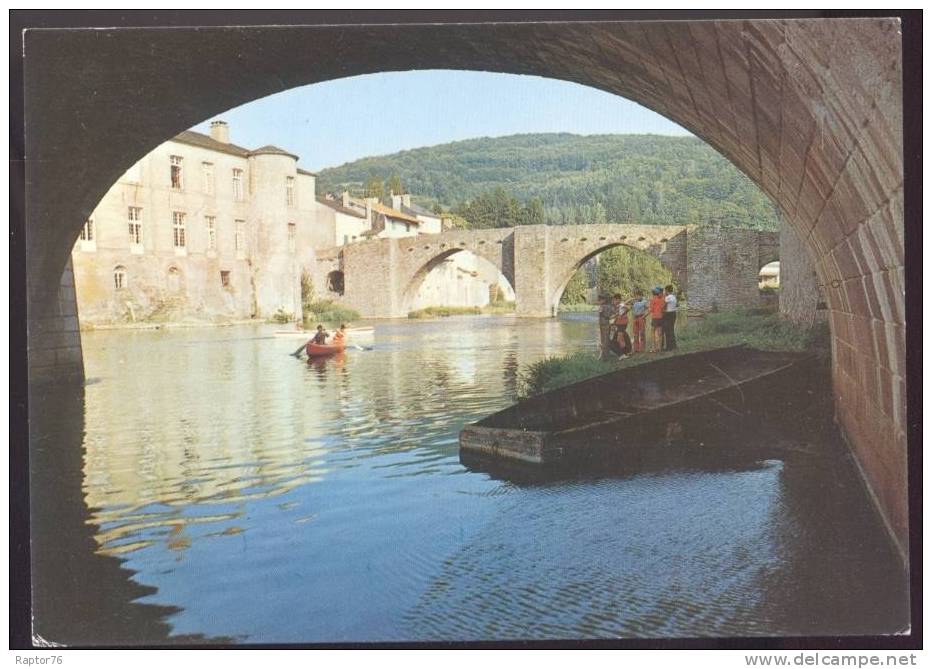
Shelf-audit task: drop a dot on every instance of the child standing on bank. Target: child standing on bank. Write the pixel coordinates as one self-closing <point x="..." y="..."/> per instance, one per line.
<point x="656" y="319"/>
<point x="639" y="313"/>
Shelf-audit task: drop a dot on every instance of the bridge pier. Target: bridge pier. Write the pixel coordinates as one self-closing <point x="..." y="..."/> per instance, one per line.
<point x="53" y="347"/>
<point x="533" y="276"/>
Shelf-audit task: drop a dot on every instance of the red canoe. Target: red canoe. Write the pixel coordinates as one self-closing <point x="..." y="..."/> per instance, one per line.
<point x="323" y="349"/>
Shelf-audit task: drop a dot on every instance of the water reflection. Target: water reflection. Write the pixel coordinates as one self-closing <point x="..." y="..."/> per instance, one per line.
<point x="268" y="500"/>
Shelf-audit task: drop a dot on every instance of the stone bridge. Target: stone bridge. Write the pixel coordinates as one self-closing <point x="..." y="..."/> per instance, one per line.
<point x="717" y="266"/>
<point x="811" y="111"/>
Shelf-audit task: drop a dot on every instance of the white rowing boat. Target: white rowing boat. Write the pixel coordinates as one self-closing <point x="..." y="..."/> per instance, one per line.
<point x="307" y="334"/>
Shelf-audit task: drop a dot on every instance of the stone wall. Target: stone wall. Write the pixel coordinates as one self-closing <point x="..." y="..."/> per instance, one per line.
<point x="723" y="266"/>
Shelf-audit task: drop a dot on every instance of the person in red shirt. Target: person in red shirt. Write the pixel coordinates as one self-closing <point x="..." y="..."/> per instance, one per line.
<point x="657" y="306"/>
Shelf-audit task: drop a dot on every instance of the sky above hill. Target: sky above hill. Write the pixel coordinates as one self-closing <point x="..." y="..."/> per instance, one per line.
<point x="335" y="122"/>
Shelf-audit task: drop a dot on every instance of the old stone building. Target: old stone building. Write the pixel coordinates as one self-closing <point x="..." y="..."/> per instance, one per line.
<point x="199" y="229"/>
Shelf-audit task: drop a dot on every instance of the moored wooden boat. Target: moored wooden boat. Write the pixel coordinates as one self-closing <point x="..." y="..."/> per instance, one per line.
<point x="624" y="411"/>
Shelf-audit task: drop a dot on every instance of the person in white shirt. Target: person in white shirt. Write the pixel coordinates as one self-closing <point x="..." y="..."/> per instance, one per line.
<point x="669" y="319"/>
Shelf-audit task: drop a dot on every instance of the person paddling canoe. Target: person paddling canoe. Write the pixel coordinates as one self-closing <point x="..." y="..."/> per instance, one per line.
<point x="320" y="337"/>
<point x="339" y="337"/>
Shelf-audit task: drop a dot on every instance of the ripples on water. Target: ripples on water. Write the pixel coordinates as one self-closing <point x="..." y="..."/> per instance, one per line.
<point x="273" y="500"/>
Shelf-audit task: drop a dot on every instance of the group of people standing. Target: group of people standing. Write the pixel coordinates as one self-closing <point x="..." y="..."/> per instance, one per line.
<point x="616" y="314"/>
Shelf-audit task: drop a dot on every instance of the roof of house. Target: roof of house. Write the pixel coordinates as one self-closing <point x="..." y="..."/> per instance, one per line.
<point x="270" y="148"/>
<point x="394" y="213"/>
<point x="208" y="142"/>
<point x="307" y="172"/>
<point x="337" y="205"/>
<point x="417" y="210"/>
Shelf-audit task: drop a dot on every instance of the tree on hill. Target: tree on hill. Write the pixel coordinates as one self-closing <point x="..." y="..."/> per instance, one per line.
<point x="374" y="188"/>
<point x="395" y="186"/>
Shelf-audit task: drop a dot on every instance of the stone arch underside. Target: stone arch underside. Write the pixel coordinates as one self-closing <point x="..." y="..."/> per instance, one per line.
<point x="810" y="110"/>
<point x="571" y="246"/>
<point x="402" y="264"/>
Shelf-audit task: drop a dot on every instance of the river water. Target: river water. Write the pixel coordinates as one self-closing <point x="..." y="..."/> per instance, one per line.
<point x="265" y="499"/>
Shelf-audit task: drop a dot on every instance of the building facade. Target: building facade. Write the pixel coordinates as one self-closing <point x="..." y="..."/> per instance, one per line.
<point x="199" y="229"/>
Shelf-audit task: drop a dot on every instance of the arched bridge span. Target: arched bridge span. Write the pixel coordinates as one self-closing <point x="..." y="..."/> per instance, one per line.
<point x="716" y="266"/>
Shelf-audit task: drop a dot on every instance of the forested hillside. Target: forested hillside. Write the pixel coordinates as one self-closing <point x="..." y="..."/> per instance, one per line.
<point x="566" y="179"/>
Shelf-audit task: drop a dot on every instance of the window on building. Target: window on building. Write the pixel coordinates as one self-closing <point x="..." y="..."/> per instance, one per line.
<point x="176" y="162"/>
<point x="289" y="191"/>
<point x="225" y="278"/>
<point x="174" y="280"/>
<point x="238" y="185"/>
<point x="346" y="239"/>
<point x="119" y="277"/>
<point x="292" y="234"/>
<point x="210" y="222"/>
<point x="178" y="236"/>
<point x="239" y="238"/>
<point x="134" y="219"/>
<point x="207" y="170"/>
<point x="87" y="232"/>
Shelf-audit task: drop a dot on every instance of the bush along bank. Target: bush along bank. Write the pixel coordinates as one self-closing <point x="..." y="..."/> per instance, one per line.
<point x="493" y="308"/>
<point x="326" y="311"/>
<point x="760" y="329"/>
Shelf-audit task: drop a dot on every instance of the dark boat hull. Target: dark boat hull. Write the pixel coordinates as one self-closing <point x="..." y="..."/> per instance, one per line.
<point x="659" y="403"/>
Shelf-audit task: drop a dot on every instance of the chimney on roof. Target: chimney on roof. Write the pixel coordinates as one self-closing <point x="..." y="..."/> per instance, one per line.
<point x="220" y="131"/>
<point x="406" y="199"/>
<point x="346" y="199"/>
<point x="396" y="200"/>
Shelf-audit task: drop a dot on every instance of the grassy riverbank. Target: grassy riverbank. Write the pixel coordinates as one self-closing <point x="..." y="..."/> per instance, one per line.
<point x="577" y="308"/>
<point x="494" y="308"/>
<point x="762" y="330"/>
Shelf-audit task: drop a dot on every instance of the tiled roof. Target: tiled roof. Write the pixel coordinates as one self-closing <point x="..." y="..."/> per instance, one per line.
<point x="337" y="205"/>
<point x="207" y="142"/>
<point x="417" y="210"/>
<point x="269" y="148"/>
<point x="306" y="172"/>
<point x="394" y="213"/>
